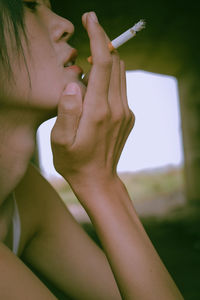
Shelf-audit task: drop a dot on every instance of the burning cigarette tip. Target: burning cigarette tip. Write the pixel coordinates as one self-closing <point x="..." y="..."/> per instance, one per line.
<point x="139" y="26"/>
<point x="124" y="37"/>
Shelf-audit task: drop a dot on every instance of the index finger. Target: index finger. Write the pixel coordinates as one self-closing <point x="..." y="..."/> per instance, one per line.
<point x="99" y="79"/>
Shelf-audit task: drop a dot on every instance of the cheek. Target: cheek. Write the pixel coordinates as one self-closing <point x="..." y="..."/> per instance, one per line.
<point x="18" y="87"/>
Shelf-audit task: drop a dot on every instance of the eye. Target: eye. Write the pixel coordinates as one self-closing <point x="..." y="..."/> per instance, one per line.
<point x="31" y="4"/>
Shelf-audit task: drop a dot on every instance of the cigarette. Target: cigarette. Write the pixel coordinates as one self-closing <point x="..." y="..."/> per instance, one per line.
<point x="124" y="37"/>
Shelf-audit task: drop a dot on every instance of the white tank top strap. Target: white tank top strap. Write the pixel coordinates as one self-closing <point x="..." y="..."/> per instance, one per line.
<point x="16" y="228"/>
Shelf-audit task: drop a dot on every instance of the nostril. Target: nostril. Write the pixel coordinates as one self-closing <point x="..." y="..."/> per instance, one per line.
<point x="62" y="29"/>
<point x="64" y="35"/>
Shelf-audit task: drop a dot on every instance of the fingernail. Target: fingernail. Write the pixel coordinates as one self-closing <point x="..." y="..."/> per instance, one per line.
<point x="71" y="89"/>
<point x="93" y="17"/>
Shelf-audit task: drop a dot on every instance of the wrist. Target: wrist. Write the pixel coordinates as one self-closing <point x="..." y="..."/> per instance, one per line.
<point x="88" y="186"/>
<point x="103" y="193"/>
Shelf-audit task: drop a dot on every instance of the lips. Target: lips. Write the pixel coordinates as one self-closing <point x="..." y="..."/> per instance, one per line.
<point x="70" y="60"/>
<point x="76" y="69"/>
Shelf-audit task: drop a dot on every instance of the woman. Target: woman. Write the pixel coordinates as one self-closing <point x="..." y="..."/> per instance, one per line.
<point x="39" y="80"/>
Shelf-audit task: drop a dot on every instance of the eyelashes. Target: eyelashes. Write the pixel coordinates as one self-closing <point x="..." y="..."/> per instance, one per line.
<point x="31" y="5"/>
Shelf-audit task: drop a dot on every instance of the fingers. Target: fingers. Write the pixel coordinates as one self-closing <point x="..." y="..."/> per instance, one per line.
<point x="124" y="87"/>
<point x="115" y="97"/>
<point x="129" y="116"/>
<point x="106" y="90"/>
<point x="99" y="80"/>
<point x="121" y="114"/>
<point x="98" y="38"/>
<point x="69" y="113"/>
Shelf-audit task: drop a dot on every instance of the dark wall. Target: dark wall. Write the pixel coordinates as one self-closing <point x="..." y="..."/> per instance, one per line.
<point x="172" y="31"/>
<point x="170" y="45"/>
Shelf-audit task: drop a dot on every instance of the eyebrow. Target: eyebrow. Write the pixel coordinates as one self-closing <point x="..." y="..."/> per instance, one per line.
<point x="47" y="3"/>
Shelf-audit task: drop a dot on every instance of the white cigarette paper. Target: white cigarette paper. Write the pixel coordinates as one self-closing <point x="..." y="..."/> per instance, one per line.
<point x="127" y="35"/>
<point x="124" y="37"/>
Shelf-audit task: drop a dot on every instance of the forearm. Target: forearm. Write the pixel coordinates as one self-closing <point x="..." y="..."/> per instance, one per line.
<point x="87" y="142"/>
<point x="137" y="268"/>
<point x="17" y="281"/>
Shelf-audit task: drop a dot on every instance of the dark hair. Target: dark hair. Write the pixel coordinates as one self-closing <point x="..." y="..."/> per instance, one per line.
<point x="12" y="22"/>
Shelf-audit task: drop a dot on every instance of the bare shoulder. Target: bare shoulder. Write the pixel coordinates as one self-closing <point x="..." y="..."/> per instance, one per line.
<point x="55" y="245"/>
<point x="36" y="198"/>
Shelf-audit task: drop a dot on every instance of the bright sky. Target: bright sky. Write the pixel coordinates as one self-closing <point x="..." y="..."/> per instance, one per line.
<point x="156" y="138"/>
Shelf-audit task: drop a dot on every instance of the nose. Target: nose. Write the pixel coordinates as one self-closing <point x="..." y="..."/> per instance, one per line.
<point x="61" y="28"/>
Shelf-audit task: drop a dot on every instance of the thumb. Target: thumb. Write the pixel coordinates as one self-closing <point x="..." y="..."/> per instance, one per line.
<point x="69" y="113"/>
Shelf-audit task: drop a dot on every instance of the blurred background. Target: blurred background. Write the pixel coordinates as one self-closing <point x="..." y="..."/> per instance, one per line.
<point x="160" y="164"/>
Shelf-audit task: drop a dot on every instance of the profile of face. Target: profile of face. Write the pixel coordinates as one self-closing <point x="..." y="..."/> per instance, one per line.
<point x="48" y="58"/>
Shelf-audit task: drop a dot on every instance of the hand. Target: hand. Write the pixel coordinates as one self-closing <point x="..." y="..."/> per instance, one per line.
<point x="91" y="129"/>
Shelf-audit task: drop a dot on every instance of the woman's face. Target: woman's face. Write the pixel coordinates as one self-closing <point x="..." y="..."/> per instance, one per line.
<point x="47" y="59"/>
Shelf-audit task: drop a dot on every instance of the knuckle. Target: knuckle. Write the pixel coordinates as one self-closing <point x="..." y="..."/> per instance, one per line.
<point x="53" y="136"/>
<point x="131" y="118"/>
<point x="118" y="117"/>
<point x="122" y="63"/>
<point x="105" y="62"/>
<point x="115" y="55"/>
<point x="57" y="138"/>
<point x="102" y="115"/>
<point x="69" y="107"/>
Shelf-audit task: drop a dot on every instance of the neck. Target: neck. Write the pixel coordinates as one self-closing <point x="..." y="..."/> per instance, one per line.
<point x="17" y="135"/>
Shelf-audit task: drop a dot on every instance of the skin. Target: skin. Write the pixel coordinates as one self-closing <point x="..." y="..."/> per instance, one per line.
<point x="48" y="36"/>
<point x="92" y="126"/>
